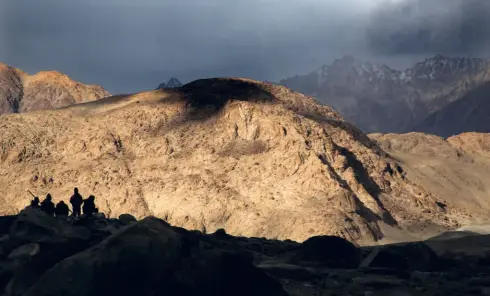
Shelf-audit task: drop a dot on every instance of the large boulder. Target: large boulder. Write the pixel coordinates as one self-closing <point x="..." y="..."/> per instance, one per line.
<point x="149" y="257"/>
<point x="25" y="266"/>
<point x="133" y="261"/>
<point x="5" y="223"/>
<point x="406" y="257"/>
<point x="217" y="272"/>
<point x="328" y="251"/>
<point x="35" y="226"/>
<point x="36" y="242"/>
<point x="127" y="219"/>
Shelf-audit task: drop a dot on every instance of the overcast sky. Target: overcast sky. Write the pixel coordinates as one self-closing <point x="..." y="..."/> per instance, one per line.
<point x="132" y="45"/>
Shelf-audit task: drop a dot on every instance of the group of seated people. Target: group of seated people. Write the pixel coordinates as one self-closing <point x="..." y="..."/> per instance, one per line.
<point x="62" y="210"/>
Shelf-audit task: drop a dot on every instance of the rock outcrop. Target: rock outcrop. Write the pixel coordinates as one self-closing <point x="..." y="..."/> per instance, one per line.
<point x="20" y="92"/>
<point x="252" y="158"/>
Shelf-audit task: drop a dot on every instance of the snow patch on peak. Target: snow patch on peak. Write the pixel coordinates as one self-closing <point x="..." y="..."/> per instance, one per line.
<point x="441" y="66"/>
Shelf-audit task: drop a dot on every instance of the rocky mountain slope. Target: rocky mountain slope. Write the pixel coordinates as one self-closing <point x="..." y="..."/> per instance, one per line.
<point x="457" y="168"/>
<point x="467" y="114"/>
<point x="20" y="92"/>
<point x="253" y="158"/>
<point x="371" y="96"/>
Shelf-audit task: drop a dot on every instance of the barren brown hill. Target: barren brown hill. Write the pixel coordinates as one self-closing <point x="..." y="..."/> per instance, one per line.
<point x="256" y="159"/>
<point x="20" y="92"/>
<point x="457" y="169"/>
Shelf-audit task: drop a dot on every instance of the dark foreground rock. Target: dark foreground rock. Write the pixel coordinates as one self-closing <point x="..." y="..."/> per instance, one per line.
<point x="328" y="251"/>
<point x="51" y="256"/>
<point x="133" y="261"/>
<point x="42" y="255"/>
<point x="407" y="257"/>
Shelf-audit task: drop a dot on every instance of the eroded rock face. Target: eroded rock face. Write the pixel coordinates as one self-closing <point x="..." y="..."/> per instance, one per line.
<point x="255" y="159"/>
<point x="21" y="92"/>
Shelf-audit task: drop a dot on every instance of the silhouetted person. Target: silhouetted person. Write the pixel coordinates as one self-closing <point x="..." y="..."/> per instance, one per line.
<point x="89" y="206"/>
<point x="61" y="210"/>
<point x="47" y="205"/>
<point x="76" y="201"/>
<point x="35" y="203"/>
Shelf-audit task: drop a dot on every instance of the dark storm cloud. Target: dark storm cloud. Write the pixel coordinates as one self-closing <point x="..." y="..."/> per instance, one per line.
<point x="430" y="26"/>
<point x="129" y="45"/>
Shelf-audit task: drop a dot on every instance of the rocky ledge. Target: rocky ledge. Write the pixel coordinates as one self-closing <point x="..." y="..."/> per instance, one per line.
<point x="41" y="255"/>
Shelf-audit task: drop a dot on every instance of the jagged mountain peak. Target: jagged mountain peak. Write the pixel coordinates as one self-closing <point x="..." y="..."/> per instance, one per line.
<point x="172" y="83"/>
<point x="444" y="67"/>
<point x="351" y="70"/>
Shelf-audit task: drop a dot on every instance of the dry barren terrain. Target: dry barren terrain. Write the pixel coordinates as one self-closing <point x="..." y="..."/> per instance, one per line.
<point x="256" y="159"/>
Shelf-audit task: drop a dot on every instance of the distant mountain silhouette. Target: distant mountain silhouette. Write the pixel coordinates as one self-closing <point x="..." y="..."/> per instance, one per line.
<point x="377" y="98"/>
<point x="468" y="114"/>
<point x="21" y="92"/>
<point x="172" y="83"/>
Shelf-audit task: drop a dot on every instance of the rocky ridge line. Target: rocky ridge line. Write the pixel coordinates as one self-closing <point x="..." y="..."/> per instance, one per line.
<point x="21" y="92"/>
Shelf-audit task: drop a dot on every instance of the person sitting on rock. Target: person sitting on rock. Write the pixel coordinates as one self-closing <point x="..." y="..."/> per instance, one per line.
<point x="47" y="205"/>
<point x="89" y="206"/>
<point x="76" y="201"/>
<point x="35" y="203"/>
<point x="61" y="210"/>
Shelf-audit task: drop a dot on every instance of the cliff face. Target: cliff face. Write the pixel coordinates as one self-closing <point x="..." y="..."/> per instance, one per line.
<point x="20" y="92"/>
<point x="255" y="159"/>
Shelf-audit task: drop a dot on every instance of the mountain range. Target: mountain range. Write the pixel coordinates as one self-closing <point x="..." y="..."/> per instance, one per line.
<point x="377" y="98"/>
<point x="254" y="158"/>
<point x="21" y="92"/>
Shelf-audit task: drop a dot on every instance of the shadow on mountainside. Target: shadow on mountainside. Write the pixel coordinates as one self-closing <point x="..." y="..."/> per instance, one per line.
<point x="362" y="176"/>
<point x="350" y="129"/>
<point x="211" y="95"/>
